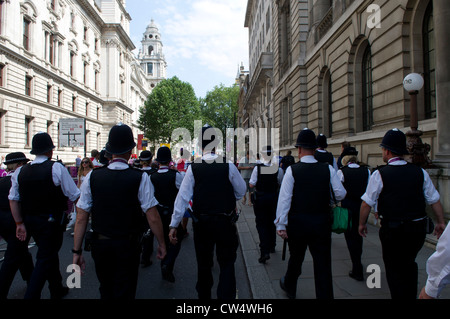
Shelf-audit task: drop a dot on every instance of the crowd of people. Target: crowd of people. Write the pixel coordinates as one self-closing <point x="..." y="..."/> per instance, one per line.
<point x="121" y="203"/>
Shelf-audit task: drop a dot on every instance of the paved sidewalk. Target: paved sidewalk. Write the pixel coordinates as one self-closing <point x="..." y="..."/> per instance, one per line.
<point x="264" y="278"/>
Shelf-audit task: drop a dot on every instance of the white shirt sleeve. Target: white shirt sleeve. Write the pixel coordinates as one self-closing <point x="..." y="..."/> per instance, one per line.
<point x="438" y="266"/>
<point x="61" y="177"/>
<point x="284" y="200"/>
<point x="429" y="191"/>
<point x="373" y="190"/>
<point x="254" y="176"/>
<point x="185" y="194"/>
<point x="239" y="186"/>
<point x="338" y="188"/>
<point x="146" y="193"/>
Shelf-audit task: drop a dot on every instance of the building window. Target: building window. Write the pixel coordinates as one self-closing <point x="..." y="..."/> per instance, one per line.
<point x="28" y="80"/>
<point x="2" y="76"/>
<point x="49" y="93"/>
<point x="60" y="97"/>
<point x="28" y="131"/>
<point x="85" y="73"/>
<point x="367" y="92"/>
<point x="1" y="15"/>
<point x="74" y="103"/>
<point x="150" y="68"/>
<point x="284" y="37"/>
<point x="52" y="50"/>
<point x="98" y="113"/>
<point x="286" y="121"/>
<point x="72" y="64"/>
<point x="26" y="34"/>
<point x="96" y="79"/>
<point x="87" y="109"/>
<point x="429" y="63"/>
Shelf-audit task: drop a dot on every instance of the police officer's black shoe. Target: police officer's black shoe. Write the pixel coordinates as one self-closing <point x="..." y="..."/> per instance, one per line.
<point x="263" y="258"/>
<point x="167" y="274"/>
<point x="282" y="285"/>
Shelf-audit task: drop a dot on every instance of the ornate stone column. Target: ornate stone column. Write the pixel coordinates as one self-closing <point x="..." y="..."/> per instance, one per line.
<point x="441" y="16"/>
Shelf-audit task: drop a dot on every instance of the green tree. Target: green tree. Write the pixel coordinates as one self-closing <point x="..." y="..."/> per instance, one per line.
<point x="172" y="104"/>
<point x="219" y="109"/>
<point x="220" y="106"/>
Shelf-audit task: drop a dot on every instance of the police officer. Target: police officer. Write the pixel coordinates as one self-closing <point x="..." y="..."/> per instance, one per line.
<point x="17" y="256"/>
<point x="116" y="197"/>
<point x="354" y="178"/>
<point x="402" y="191"/>
<point x="266" y="178"/>
<point x="38" y="199"/>
<point x="321" y="154"/>
<point x="145" y="159"/>
<point x="215" y="186"/>
<point x="303" y="216"/>
<point x="167" y="181"/>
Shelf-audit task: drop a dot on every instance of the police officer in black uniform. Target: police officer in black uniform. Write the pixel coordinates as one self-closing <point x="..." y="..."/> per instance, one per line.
<point x="167" y="181"/>
<point x="116" y="196"/>
<point x="322" y="155"/>
<point x="401" y="192"/>
<point x="266" y="178"/>
<point x="354" y="177"/>
<point x="38" y="198"/>
<point x="17" y="256"/>
<point x="145" y="159"/>
<point x="215" y="186"/>
<point x="303" y="216"/>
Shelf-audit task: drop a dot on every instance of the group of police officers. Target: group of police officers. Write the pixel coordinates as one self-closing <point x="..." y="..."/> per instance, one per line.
<point x="124" y="203"/>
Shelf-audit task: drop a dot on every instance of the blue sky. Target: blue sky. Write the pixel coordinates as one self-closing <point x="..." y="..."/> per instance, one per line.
<point x="204" y="40"/>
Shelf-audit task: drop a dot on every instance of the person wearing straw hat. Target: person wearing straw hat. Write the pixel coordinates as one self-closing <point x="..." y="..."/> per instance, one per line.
<point x="38" y="197"/>
<point x="402" y="191"/>
<point x="214" y="186"/>
<point x="303" y="216"/>
<point x="116" y="196"/>
<point x="354" y="177"/>
<point x="17" y="256"/>
<point x="266" y="195"/>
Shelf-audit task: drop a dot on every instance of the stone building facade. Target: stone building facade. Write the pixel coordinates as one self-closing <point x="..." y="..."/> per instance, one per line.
<point x="67" y="59"/>
<point x="337" y="67"/>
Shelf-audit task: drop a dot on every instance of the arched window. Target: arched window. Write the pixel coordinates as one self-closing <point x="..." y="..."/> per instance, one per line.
<point x="367" y="92"/>
<point x="429" y="63"/>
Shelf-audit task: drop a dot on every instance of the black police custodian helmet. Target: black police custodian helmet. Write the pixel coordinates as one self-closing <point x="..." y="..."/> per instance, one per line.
<point x="17" y="157"/>
<point x="41" y="144"/>
<point x="349" y="151"/>
<point x="145" y="155"/>
<point x="306" y="139"/>
<point x="322" y="141"/>
<point x="164" y="155"/>
<point x="395" y="141"/>
<point x="120" y="140"/>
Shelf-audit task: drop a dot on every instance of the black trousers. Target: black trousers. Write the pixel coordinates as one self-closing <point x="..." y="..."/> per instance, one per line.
<point x="116" y="265"/>
<point x="17" y="256"/>
<point x="400" y="245"/>
<point x="265" y="209"/>
<point x="316" y="236"/>
<point x="352" y="237"/>
<point x="172" y="250"/>
<point x="215" y="232"/>
<point x="48" y="237"/>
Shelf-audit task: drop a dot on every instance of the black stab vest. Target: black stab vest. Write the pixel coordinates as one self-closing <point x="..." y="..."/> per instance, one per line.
<point x="213" y="191"/>
<point x="402" y="197"/>
<point x="165" y="189"/>
<point x="116" y="211"/>
<point x="267" y="183"/>
<point x="38" y="193"/>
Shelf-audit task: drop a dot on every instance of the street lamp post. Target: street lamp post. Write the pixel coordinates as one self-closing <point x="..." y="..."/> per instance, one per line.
<point x="418" y="151"/>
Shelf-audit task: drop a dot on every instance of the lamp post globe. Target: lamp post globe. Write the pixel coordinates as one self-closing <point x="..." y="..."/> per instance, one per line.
<point x="413" y="82"/>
